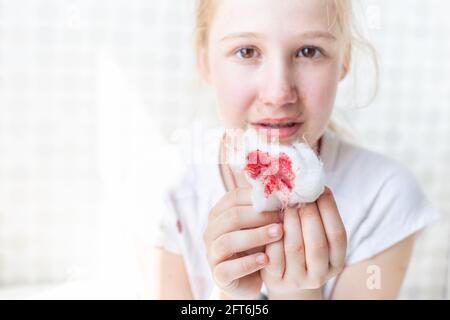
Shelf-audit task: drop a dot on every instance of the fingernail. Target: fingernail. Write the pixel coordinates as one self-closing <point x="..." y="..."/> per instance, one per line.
<point x="260" y="259"/>
<point x="274" y="231"/>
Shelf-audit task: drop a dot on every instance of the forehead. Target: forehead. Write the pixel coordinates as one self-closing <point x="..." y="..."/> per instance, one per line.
<point x="272" y="17"/>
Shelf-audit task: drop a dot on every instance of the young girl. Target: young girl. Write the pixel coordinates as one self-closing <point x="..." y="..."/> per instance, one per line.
<point x="280" y="62"/>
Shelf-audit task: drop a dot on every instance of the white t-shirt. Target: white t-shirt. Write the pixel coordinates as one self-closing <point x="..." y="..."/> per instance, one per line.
<point x="379" y="200"/>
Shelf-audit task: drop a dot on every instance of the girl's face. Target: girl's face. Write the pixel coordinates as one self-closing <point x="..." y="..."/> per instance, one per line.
<point x="275" y="63"/>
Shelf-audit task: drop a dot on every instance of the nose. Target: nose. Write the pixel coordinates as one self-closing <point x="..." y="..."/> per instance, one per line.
<point x="277" y="88"/>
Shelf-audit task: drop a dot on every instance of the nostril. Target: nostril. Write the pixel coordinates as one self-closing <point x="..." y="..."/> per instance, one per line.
<point x="281" y="97"/>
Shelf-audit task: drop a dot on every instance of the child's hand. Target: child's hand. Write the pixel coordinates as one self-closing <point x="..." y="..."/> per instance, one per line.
<point x="312" y="251"/>
<point x="234" y="239"/>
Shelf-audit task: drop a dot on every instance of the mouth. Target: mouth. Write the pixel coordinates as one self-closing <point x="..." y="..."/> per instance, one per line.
<point x="277" y="126"/>
<point x="280" y="128"/>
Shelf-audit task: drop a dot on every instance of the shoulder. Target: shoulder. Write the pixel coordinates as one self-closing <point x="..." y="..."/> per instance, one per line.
<point x="352" y="156"/>
<point x="374" y="190"/>
<point x="371" y="172"/>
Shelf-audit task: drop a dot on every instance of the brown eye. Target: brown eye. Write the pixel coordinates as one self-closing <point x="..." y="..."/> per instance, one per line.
<point x="310" y="52"/>
<point x="246" y="53"/>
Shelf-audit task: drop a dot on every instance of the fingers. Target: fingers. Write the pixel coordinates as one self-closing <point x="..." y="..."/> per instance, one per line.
<point x="227" y="272"/>
<point x="334" y="229"/>
<point x="237" y="241"/>
<point x="315" y="240"/>
<point x="235" y="197"/>
<point x="294" y="248"/>
<point x="276" y="266"/>
<point x="237" y="218"/>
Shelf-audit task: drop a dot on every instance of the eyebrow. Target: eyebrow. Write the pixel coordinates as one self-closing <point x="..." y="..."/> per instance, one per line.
<point x="306" y="35"/>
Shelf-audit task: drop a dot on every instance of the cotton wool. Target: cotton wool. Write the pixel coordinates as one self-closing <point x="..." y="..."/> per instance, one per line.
<point x="280" y="175"/>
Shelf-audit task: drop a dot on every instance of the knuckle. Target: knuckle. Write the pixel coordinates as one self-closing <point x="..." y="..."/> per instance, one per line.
<point x="316" y="282"/>
<point x="338" y="237"/>
<point x="298" y="284"/>
<point x="208" y="236"/>
<point x="234" y="196"/>
<point x="318" y="247"/>
<point x="220" y="276"/>
<point x="205" y="236"/>
<point x="294" y="247"/>
<point x="247" y="265"/>
<point x="234" y="218"/>
<point x="211" y="214"/>
<point x="207" y="232"/>
<point x="219" y="248"/>
<point x="338" y="265"/>
<point x="337" y="269"/>
<point x="307" y="212"/>
<point x="274" y="271"/>
<point x="214" y="213"/>
<point x="209" y="258"/>
<point x="232" y="285"/>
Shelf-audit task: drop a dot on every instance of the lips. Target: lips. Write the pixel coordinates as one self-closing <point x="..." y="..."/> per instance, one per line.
<point x="281" y="128"/>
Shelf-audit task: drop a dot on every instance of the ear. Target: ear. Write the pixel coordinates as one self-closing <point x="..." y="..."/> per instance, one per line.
<point x="346" y="62"/>
<point x="203" y="65"/>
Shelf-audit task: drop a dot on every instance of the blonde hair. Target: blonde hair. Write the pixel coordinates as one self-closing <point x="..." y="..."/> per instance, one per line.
<point x="344" y="17"/>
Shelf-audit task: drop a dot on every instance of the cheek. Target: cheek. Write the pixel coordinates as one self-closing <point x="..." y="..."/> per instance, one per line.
<point x="235" y="94"/>
<point x="318" y="92"/>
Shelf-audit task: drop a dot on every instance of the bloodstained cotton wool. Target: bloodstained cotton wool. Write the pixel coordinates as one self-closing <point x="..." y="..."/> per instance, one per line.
<point x="281" y="176"/>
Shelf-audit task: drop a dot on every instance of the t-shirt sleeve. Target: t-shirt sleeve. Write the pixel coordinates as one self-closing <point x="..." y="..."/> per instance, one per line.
<point x="399" y="209"/>
<point x="167" y="231"/>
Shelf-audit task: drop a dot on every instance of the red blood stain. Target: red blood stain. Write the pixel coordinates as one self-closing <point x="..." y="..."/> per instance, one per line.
<point x="275" y="171"/>
<point x="179" y="226"/>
